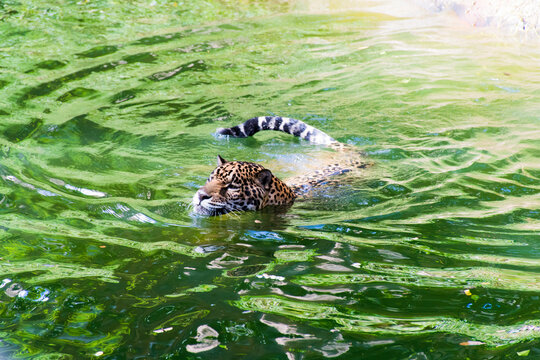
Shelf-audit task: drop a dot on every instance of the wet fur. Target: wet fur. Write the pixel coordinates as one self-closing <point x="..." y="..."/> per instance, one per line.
<point x="242" y="186"/>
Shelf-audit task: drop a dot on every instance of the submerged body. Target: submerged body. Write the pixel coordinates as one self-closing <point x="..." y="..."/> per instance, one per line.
<point x="243" y="186"/>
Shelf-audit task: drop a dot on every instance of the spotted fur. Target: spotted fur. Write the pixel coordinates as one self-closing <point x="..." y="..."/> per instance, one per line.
<point x="242" y="186"/>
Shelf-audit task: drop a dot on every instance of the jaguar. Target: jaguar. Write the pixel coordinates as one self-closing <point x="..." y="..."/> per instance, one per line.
<point x="235" y="186"/>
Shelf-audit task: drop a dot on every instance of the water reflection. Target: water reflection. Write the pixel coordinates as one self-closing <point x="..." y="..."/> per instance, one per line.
<point x="206" y="340"/>
<point x="295" y="339"/>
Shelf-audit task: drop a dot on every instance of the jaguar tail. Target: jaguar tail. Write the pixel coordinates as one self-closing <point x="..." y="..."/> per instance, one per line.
<point x="277" y="123"/>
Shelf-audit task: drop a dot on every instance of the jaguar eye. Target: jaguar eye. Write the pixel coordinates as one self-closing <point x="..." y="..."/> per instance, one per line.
<point x="228" y="187"/>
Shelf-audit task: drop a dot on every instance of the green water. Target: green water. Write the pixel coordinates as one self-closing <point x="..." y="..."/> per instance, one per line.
<point x="107" y="110"/>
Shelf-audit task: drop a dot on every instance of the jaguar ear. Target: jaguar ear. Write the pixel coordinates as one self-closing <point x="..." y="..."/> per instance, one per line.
<point x="265" y="178"/>
<point x="220" y="160"/>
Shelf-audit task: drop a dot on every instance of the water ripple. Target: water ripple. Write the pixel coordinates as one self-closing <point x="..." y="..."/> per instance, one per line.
<point x="105" y="135"/>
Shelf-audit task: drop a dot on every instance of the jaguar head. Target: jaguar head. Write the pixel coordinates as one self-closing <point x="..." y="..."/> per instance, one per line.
<point x="233" y="186"/>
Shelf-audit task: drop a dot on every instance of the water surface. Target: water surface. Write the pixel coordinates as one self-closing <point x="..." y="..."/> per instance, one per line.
<point x="106" y="118"/>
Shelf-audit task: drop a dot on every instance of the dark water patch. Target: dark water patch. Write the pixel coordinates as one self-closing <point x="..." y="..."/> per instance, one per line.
<point x="51" y="64"/>
<point x="40" y="90"/>
<point x="136" y="104"/>
<point x="81" y="130"/>
<point x="7" y="206"/>
<point x="514" y="216"/>
<point x="47" y="65"/>
<point x="77" y="93"/>
<point x="477" y="167"/>
<point x="480" y="194"/>
<point x="198" y="65"/>
<point x="395" y="190"/>
<point x="323" y="90"/>
<point x="36" y="247"/>
<point x="74" y="129"/>
<point x="503" y="189"/>
<point x="7" y="12"/>
<point x="229" y="27"/>
<point x="143" y="57"/>
<point x="18" y="133"/>
<point x="247" y="270"/>
<point x="308" y="84"/>
<point x="98" y="51"/>
<point x="53" y="85"/>
<point x="159" y="39"/>
<point x="533" y="173"/>
<point x="521" y="178"/>
<point x="41" y="208"/>
<point x="79" y="223"/>
<point x="123" y="96"/>
<point x="19" y="33"/>
<point x="375" y="183"/>
<point x="253" y="84"/>
<point x="45" y="89"/>
<point x="494" y="306"/>
<point x="193" y="113"/>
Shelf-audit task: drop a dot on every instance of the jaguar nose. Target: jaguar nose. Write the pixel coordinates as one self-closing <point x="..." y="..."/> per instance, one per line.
<point x="203" y="196"/>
